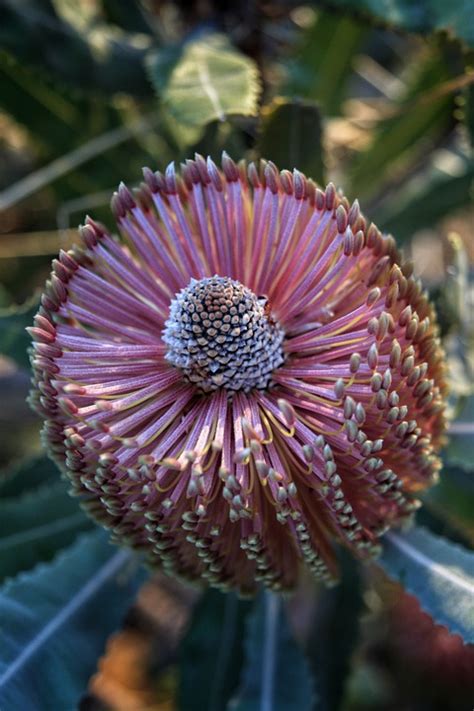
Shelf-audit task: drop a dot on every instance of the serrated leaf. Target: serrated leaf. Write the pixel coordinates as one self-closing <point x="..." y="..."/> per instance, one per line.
<point x="206" y="79"/>
<point x="56" y="620"/>
<point x="26" y="475"/>
<point x="276" y="675"/>
<point x="36" y="525"/>
<point x="14" y="340"/>
<point x="290" y="136"/>
<point x="334" y="634"/>
<point x="439" y="573"/>
<point x="211" y="653"/>
<point x="455" y="17"/>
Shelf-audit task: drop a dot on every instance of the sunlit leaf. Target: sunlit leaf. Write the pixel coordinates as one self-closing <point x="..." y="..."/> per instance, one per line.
<point x="206" y="79"/>
<point x="56" y="619"/>
<point x="290" y="136"/>
<point x="275" y="675"/>
<point x="212" y="652"/>
<point x="438" y="572"/>
<point x="36" y="525"/>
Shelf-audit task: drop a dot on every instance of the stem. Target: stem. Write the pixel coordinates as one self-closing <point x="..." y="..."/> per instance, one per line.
<point x="272" y="610"/>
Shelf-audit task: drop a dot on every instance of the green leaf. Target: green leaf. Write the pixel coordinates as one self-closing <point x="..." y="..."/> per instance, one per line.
<point x="455" y="17"/>
<point x="290" y="136"/>
<point x="56" y="620"/>
<point x="452" y="501"/>
<point x="425" y="200"/>
<point x="460" y="449"/>
<point x="212" y="652"/>
<point x="334" y="634"/>
<point x="14" y="340"/>
<point x="276" y="675"/>
<point x="25" y="475"/>
<point x="439" y="573"/>
<point x="36" y="525"/>
<point x="324" y="60"/>
<point x="74" y="47"/>
<point x="415" y="121"/>
<point x="206" y="79"/>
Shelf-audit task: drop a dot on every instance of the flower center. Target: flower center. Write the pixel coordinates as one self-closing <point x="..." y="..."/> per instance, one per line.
<point x="220" y="334"/>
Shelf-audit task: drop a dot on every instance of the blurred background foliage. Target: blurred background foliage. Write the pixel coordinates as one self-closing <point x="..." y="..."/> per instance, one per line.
<point x="377" y="97"/>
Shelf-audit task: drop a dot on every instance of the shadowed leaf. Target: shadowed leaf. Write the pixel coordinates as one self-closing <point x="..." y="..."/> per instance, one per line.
<point x="55" y="622"/>
<point x="423" y="202"/>
<point x="36" y="525"/>
<point x="290" y="136"/>
<point x="27" y="475"/>
<point x="14" y="340"/>
<point x="212" y="652"/>
<point x="334" y="634"/>
<point x="276" y="675"/>
<point x="87" y="54"/>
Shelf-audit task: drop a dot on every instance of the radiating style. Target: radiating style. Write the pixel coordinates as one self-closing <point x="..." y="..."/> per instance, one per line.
<point x="243" y="379"/>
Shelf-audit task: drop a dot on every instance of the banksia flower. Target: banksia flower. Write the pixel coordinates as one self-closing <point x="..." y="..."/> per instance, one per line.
<point x="245" y="377"/>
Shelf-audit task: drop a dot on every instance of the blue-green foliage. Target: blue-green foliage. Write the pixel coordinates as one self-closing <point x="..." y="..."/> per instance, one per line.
<point x="425" y="16"/>
<point x="438" y="572"/>
<point x="37" y="524"/>
<point x="56" y="620"/>
<point x="275" y="675"/>
<point x="212" y="652"/>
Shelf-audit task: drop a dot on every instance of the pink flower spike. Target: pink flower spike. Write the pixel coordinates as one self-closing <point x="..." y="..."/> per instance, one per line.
<point x="246" y="377"/>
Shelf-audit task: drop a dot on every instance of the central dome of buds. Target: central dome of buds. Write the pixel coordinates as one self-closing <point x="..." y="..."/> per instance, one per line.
<point x="220" y="334"/>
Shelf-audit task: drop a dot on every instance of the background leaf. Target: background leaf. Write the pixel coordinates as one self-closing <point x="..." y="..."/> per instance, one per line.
<point x="212" y="652"/>
<point x="290" y="136"/>
<point x="439" y="573"/>
<point x="27" y="475"/>
<point x="206" y="79"/>
<point x="452" y="500"/>
<point x="334" y="634"/>
<point x="14" y="340"/>
<point x="324" y="60"/>
<point x="87" y="54"/>
<point x="423" y="16"/>
<point x="424" y="200"/>
<point x="415" y="119"/>
<point x="56" y="619"/>
<point x="36" y="525"/>
<point x="270" y="648"/>
<point x="460" y="449"/>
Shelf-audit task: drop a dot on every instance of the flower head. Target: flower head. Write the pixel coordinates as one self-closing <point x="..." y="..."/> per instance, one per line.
<point x="246" y="376"/>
